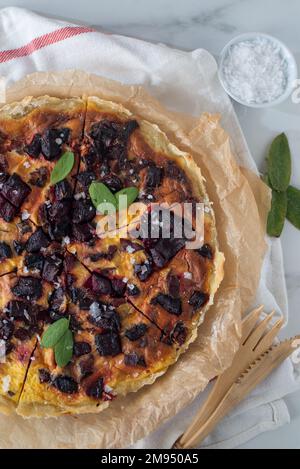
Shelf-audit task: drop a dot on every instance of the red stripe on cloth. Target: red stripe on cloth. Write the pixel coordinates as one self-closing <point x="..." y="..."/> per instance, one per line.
<point x="43" y="41"/>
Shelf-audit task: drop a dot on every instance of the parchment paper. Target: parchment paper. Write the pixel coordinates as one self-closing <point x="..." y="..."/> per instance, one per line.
<point x="241" y="208"/>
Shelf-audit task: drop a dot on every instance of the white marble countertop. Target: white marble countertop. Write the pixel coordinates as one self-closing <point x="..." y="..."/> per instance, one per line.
<point x="191" y="24"/>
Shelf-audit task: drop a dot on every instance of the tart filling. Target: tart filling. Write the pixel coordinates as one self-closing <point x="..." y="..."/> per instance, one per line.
<point x="133" y="302"/>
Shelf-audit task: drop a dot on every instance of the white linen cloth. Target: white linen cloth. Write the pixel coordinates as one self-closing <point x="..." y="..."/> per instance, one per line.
<point x="183" y="81"/>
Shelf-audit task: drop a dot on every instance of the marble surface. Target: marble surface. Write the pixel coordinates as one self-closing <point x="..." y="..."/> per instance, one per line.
<point x="191" y="24"/>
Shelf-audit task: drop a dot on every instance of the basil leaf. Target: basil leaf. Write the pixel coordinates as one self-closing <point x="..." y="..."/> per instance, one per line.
<point x="277" y="214"/>
<point x="100" y="194"/>
<point x="54" y="333"/>
<point x="63" y="350"/>
<point x="130" y="192"/>
<point x="293" y="208"/>
<point x="279" y="163"/>
<point x="63" y="167"/>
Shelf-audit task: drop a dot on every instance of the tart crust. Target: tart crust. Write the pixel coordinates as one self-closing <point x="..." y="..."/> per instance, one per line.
<point x="123" y="372"/>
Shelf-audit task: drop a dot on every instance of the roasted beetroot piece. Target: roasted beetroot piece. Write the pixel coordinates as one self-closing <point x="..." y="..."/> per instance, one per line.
<point x="34" y="148"/>
<point x="174" y="172"/>
<point x="43" y="315"/>
<point x="82" y="348"/>
<point x="85" y="300"/>
<point x="44" y="376"/>
<point x="179" y="333"/>
<point x="136" y="332"/>
<point x="143" y="271"/>
<point x="83" y="211"/>
<point x="52" y="268"/>
<point x="15" y="190"/>
<point x="129" y="127"/>
<point x="29" y="288"/>
<point x="63" y="190"/>
<point x="18" y="247"/>
<point x="104" y="316"/>
<point x="53" y="316"/>
<point x="39" y="177"/>
<point x="95" y="389"/>
<point x="6" y="329"/>
<point x="109" y="254"/>
<point x="7" y="210"/>
<point x="22" y="334"/>
<point x="206" y="251"/>
<point x="113" y="182"/>
<point x="58" y="300"/>
<point x="165" y="249"/>
<point x="108" y="343"/>
<point x="133" y="359"/>
<point x="3" y="165"/>
<point x="132" y="290"/>
<point x="154" y="176"/>
<point x="52" y="141"/>
<point x="75" y="293"/>
<point x="37" y="241"/>
<point x="34" y="262"/>
<point x="65" y="384"/>
<point x="85" y="179"/>
<point x="86" y="366"/>
<point x="5" y="251"/>
<point x="43" y="213"/>
<point x="172" y="305"/>
<point x="110" y="138"/>
<point x="82" y="233"/>
<point x="198" y="299"/>
<point x="173" y="285"/>
<point x="70" y="262"/>
<point x="130" y="246"/>
<point x="118" y="287"/>
<point x="57" y="304"/>
<point x="75" y="325"/>
<point x="99" y="284"/>
<point x="92" y="160"/>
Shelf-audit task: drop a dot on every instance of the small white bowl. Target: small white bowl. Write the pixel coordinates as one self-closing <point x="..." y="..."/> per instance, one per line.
<point x="286" y="53"/>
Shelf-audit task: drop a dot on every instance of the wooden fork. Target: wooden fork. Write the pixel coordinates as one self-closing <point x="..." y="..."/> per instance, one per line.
<point x="255" y="359"/>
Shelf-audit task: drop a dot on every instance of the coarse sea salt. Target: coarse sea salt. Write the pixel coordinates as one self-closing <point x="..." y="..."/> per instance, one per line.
<point x="6" y="383"/>
<point x="255" y="71"/>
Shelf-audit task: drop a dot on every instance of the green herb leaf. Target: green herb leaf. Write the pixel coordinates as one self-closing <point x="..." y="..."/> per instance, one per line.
<point x="277" y="214"/>
<point x="100" y="194"/>
<point x="63" y="350"/>
<point x="279" y="163"/>
<point x="293" y="208"/>
<point x="265" y="178"/>
<point x="130" y="192"/>
<point x="63" y="167"/>
<point x="54" y="333"/>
